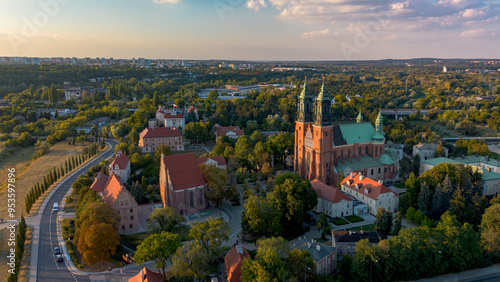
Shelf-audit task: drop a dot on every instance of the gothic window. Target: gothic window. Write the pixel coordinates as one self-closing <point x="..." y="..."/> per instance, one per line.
<point x="379" y="170"/>
<point x="372" y="171"/>
<point x="191" y="199"/>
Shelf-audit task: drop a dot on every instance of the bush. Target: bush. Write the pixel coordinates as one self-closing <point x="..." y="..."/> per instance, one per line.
<point x="253" y="177"/>
<point x="68" y="228"/>
<point x="240" y="176"/>
<point x="71" y="251"/>
<point x="354" y="218"/>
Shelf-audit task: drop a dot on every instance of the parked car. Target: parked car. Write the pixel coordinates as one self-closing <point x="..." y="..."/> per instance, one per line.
<point x="57" y="251"/>
<point x="59" y="258"/>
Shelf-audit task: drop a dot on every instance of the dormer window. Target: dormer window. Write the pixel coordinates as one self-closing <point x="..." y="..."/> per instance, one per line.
<point x="116" y="166"/>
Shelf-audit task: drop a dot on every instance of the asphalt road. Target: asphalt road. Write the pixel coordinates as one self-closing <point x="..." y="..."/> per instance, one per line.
<point x="48" y="269"/>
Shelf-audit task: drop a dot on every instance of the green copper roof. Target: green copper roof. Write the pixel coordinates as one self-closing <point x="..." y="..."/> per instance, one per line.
<point x="305" y="93"/>
<point x="440" y="160"/>
<point x="385" y="159"/>
<point x="487" y="175"/>
<point x="356" y="132"/>
<point x="363" y="163"/>
<point x="323" y="94"/>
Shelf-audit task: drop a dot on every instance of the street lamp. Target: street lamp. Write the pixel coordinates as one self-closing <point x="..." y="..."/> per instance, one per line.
<point x="305" y="272"/>
<point x="371" y="269"/>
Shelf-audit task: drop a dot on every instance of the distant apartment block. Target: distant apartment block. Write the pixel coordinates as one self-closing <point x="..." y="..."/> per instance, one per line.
<point x="78" y="93"/>
<point x="151" y="138"/>
<point x="170" y="117"/>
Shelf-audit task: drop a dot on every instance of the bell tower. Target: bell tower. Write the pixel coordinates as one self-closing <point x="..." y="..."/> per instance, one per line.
<point x="323" y="108"/>
<point x="305" y="106"/>
<point x="303" y="142"/>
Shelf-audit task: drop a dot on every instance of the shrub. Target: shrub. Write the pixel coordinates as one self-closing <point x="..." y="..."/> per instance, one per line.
<point x="354" y="218"/>
<point x="340" y="221"/>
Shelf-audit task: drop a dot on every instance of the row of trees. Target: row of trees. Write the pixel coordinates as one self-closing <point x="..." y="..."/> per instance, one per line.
<point x="56" y="173"/>
<point x="19" y="251"/>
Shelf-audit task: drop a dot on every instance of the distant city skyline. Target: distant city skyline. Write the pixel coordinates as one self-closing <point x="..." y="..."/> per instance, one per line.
<point x="250" y="29"/>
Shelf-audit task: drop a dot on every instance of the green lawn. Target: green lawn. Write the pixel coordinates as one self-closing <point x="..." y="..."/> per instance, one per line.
<point x="370" y="227"/>
<point x="340" y="221"/>
<point x="354" y="218"/>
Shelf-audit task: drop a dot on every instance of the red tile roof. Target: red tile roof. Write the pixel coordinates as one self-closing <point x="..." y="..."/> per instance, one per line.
<point x="100" y="182"/>
<point x="234" y="260"/>
<point x="329" y="193"/>
<point x="184" y="171"/>
<point x="121" y="160"/>
<point x="160" y="132"/>
<point x="172" y="116"/>
<point x="149" y="276"/>
<point x="223" y="131"/>
<point x="114" y="189"/>
<point x="220" y="160"/>
<point x="366" y="186"/>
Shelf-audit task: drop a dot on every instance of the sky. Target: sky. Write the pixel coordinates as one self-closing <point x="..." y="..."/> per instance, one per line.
<point x="251" y="29"/>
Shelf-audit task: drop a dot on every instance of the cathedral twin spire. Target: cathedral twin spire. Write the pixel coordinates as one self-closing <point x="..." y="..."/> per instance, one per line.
<point x="321" y="104"/>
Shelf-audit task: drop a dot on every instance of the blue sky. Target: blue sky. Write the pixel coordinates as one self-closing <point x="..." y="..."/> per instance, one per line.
<point x="251" y="29"/>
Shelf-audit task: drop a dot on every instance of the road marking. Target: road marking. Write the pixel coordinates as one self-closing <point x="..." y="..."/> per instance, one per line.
<point x="50" y="238"/>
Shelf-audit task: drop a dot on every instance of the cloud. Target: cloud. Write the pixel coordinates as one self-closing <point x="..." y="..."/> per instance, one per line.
<point x="316" y="33"/>
<point x="479" y="33"/>
<point x="166" y="1"/>
<point x="395" y="15"/>
<point x="255" y="4"/>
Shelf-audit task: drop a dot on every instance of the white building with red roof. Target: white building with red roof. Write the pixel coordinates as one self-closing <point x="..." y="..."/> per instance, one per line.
<point x="370" y="192"/>
<point x="218" y="161"/>
<point x="170" y="117"/>
<point x="332" y="201"/>
<point x="151" y="138"/>
<point x="120" y="166"/>
<point x="182" y="184"/>
<point x="229" y="131"/>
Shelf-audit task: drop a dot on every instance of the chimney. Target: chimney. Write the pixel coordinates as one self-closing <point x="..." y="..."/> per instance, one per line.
<point x="380" y="181"/>
<point x="318" y="247"/>
<point x="308" y="245"/>
<point x="361" y="177"/>
<point x="351" y="175"/>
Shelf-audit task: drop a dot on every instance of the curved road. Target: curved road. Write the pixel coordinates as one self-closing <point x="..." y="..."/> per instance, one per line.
<point x="47" y="268"/>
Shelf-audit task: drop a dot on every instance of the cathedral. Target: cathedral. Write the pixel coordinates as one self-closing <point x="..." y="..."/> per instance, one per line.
<point x="325" y="152"/>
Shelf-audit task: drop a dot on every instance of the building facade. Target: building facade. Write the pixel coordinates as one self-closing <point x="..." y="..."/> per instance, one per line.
<point x="345" y="241"/>
<point x="370" y="192"/>
<point x="324" y="256"/>
<point x="218" y="161"/>
<point x="182" y="184"/>
<point x="117" y="196"/>
<point x="151" y="138"/>
<point x="427" y="150"/>
<point x="332" y="201"/>
<point x="120" y="166"/>
<point x="324" y="151"/>
<point x="233" y="132"/>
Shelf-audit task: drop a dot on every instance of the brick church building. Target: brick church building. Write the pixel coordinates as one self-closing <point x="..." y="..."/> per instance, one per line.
<point x="324" y="151"/>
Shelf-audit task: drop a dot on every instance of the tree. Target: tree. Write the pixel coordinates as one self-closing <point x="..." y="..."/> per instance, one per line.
<point x="405" y="167"/>
<point x="424" y="199"/>
<point x="155" y="100"/>
<point x="260" y="218"/>
<point x="269" y="264"/>
<point x="438" y="203"/>
<point x="383" y="222"/>
<point x="217" y="180"/>
<point x="490" y="232"/>
<point x="439" y="151"/>
<point x="162" y="149"/>
<point x="457" y="206"/>
<point x="345" y="267"/>
<point x="416" y="165"/>
<point x="412" y="185"/>
<point x="213" y="95"/>
<point x="158" y="247"/>
<point x="211" y="234"/>
<point x="397" y="224"/>
<point x="165" y="219"/>
<point x="191" y="260"/>
<point x="323" y="225"/>
<point x="100" y="241"/>
<point x="299" y="261"/>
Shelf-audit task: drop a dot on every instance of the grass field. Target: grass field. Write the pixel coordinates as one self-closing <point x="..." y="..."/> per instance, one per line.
<point x="28" y="173"/>
<point x="340" y="221"/>
<point x="354" y="218"/>
<point x="4" y="252"/>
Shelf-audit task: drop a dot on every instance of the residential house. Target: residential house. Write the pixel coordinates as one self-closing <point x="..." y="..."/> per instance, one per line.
<point x="427" y="150"/>
<point x="100" y="183"/>
<point x="323" y="255"/>
<point x="116" y="195"/>
<point x="489" y="168"/>
<point x="170" y="117"/>
<point x="182" y="184"/>
<point x="332" y="201"/>
<point x="233" y="261"/>
<point x="147" y="275"/>
<point x="120" y="166"/>
<point x="345" y="241"/>
<point x="218" y="161"/>
<point x="230" y="131"/>
<point x="151" y="138"/>
<point x="370" y="192"/>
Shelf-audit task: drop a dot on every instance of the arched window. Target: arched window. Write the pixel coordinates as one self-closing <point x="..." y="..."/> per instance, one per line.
<point x="359" y="151"/>
<point x="379" y="170"/>
<point x="366" y="150"/>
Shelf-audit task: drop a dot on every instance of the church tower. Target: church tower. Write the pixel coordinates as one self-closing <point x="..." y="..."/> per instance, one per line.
<point x="305" y="106"/>
<point x="323" y="108"/>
